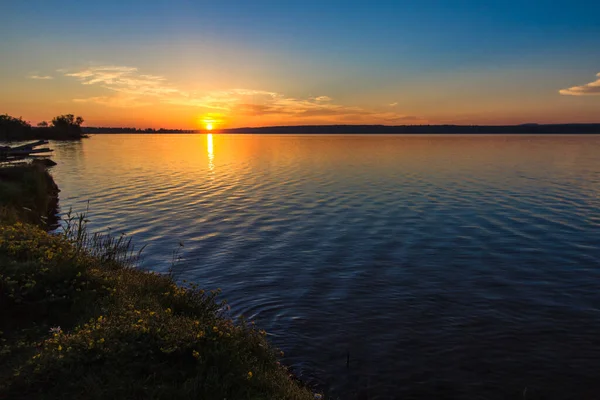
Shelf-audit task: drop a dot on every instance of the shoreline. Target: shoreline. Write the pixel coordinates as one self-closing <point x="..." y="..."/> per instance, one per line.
<point x="77" y="318"/>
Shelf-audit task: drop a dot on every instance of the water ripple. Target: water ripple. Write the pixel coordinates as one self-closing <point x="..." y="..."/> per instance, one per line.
<point x="462" y="267"/>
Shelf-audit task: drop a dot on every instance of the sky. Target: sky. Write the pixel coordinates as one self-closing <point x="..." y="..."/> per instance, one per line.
<point x="235" y="63"/>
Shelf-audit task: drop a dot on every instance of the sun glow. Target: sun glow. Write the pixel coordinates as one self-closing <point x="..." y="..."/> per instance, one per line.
<point x="210" y="122"/>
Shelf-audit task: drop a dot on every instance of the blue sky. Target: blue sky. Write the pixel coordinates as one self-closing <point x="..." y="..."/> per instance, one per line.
<point x="436" y="62"/>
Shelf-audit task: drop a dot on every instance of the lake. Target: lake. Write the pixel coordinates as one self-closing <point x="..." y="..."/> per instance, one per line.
<point x="446" y="267"/>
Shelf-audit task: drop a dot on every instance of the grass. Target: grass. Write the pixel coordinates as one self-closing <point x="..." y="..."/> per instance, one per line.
<point x="27" y="194"/>
<point x="78" y="320"/>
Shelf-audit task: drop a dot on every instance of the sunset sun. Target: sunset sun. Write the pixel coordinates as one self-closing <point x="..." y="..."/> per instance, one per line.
<point x="209" y="126"/>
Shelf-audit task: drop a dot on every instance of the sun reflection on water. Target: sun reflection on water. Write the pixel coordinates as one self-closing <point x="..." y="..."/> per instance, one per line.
<point x="211" y="154"/>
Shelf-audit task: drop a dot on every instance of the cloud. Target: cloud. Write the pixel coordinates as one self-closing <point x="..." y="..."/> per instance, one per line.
<point x="294" y="107"/>
<point x="246" y="92"/>
<point x="125" y="80"/>
<point x="130" y="88"/>
<point x="209" y="101"/>
<point x="115" y="101"/>
<point x="41" y="77"/>
<point x="393" y="104"/>
<point x="223" y="99"/>
<point x="402" y="119"/>
<point x="592" y="88"/>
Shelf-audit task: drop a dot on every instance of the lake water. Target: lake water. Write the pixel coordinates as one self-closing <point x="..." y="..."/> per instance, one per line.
<point x="447" y="267"/>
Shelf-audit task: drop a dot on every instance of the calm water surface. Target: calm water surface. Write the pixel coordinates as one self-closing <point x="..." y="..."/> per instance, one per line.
<point x="463" y="267"/>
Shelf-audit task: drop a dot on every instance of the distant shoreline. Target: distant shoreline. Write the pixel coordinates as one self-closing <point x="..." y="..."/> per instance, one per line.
<point x="544" y="129"/>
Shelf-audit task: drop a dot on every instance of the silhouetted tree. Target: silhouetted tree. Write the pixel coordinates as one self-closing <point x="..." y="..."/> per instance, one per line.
<point x="12" y="128"/>
<point x="67" y="126"/>
<point x="42" y="124"/>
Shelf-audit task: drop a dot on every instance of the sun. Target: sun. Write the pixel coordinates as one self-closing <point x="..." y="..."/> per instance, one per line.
<point x="210" y="122"/>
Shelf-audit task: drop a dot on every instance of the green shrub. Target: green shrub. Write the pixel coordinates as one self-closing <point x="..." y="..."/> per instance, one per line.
<point x="74" y="326"/>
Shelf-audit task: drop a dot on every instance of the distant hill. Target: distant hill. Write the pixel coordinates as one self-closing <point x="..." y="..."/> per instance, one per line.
<point x="424" y="129"/>
<point x="380" y="129"/>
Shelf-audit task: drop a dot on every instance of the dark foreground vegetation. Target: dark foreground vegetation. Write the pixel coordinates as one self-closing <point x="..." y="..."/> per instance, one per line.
<point x="62" y="127"/>
<point x="78" y="322"/>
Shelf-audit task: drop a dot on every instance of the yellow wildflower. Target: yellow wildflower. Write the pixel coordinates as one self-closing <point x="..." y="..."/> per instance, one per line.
<point x="250" y="375"/>
<point x="196" y="354"/>
<point x="101" y="340"/>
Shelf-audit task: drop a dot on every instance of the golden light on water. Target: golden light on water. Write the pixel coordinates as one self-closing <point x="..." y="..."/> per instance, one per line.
<point x="210" y="149"/>
<point x="209" y="144"/>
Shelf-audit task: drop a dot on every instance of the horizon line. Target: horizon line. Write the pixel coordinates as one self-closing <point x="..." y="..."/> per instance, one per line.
<point x="216" y="130"/>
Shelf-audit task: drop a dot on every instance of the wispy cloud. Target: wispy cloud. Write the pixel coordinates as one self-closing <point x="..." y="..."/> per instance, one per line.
<point x="134" y="89"/>
<point x="592" y="88"/>
<point x="393" y="104"/>
<point x="246" y="92"/>
<point x="115" y="101"/>
<point x="222" y="99"/>
<point x="298" y="109"/>
<point x="41" y="77"/>
<point x="125" y="80"/>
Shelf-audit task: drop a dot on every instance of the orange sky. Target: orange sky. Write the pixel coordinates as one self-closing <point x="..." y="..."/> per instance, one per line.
<point x="177" y="65"/>
<point x="128" y="96"/>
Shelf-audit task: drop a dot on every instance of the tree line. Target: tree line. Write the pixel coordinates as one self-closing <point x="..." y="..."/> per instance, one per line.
<point x="94" y="129"/>
<point x="424" y="129"/>
<point x="62" y="127"/>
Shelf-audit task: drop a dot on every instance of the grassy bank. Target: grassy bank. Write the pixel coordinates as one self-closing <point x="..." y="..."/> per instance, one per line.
<point x="27" y="194"/>
<point x="82" y="324"/>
